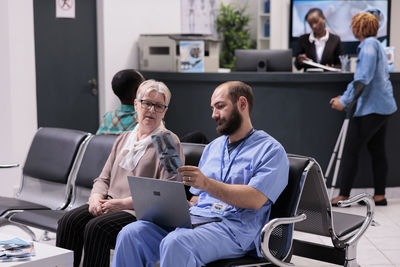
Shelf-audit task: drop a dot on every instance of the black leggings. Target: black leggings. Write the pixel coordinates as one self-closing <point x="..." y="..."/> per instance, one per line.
<point x="78" y="228"/>
<point x="367" y="130"/>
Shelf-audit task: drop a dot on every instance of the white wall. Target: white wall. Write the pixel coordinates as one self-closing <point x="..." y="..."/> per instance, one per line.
<point x="280" y="24"/>
<point x="18" y="88"/>
<point x="120" y="22"/>
<point x="394" y="32"/>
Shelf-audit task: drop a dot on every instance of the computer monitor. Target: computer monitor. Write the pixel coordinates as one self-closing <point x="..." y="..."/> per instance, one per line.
<point x="263" y="60"/>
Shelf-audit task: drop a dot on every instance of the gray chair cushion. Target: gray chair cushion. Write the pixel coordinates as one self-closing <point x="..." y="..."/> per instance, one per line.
<point x="345" y="223"/>
<point x="42" y="219"/>
<point x="7" y="204"/>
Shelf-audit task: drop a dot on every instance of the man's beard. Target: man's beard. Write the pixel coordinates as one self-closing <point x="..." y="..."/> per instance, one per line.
<point x="231" y="125"/>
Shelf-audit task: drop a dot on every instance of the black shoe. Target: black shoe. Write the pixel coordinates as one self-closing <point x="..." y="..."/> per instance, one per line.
<point x="382" y="202"/>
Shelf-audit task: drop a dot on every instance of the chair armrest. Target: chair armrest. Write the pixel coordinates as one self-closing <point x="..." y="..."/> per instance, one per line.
<point x="8" y="214"/>
<point x="3" y="166"/>
<point x="266" y="234"/>
<point x="367" y="199"/>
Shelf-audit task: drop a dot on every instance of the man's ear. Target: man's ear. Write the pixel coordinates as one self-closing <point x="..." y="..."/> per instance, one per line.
<point x="242" y="103"/>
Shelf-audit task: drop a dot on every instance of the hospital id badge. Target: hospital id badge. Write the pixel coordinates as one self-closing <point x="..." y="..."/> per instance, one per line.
<point x="218" y="208"/>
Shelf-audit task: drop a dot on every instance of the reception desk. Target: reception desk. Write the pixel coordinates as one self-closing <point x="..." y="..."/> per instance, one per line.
<point x="292" y="107"/>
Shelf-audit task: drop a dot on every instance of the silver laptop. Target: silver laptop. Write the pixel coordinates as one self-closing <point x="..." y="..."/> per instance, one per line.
<point x="163" y="203"/>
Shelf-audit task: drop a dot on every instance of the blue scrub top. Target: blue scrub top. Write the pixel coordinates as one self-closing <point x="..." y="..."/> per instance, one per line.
<point x="371" y="70"/>
<point x="261" y="163"/>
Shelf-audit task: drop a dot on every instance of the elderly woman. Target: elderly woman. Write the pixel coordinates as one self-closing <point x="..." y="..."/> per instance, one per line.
<point x="95" y="225"/>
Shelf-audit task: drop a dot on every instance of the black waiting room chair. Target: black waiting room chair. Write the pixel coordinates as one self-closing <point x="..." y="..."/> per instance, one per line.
<point x="345" y="230"/>
<point x="192" y="152"/>
<point x="94" y="157"/>
<point x="276" y="235"/>
<point x="46" y="174"/>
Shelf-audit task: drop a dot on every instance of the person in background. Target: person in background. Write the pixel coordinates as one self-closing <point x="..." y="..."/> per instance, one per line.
<point x="95" y="225"/>
<point x="320" y="45"/>
<point x="240" y="175"/>
<point x="124" y="84"/>
<point x="372" y="93"/>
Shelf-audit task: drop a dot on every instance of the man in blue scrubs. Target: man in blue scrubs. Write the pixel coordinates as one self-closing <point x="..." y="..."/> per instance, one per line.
<point x="240" y="175"/>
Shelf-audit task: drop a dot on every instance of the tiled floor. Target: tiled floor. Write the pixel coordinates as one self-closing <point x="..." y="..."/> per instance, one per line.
<point x="380" y="245"/>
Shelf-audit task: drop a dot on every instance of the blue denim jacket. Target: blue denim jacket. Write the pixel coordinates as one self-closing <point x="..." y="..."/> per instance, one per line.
<point x="371" y="70"/>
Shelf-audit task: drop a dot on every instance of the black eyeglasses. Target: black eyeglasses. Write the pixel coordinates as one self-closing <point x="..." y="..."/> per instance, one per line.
<point x="157" y="107"/>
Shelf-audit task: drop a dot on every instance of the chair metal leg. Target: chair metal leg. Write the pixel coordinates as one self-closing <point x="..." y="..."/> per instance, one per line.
<point x="45" y="236"/>
<point x="351" y="256"/>
<point x="352" y="263"/>
<point x="5" y="222"/>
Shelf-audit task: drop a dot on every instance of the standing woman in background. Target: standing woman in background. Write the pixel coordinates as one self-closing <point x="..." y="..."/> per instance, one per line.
<point x="320" y="45"/>
<point x="372" y="92"/>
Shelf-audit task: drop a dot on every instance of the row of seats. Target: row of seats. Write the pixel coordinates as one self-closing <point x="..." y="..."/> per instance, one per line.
<point x="57" y="176"/>
<point x="61" y="165"/>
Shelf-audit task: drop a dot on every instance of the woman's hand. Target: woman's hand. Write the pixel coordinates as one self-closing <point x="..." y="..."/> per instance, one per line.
<point x="301" y="58"/>
<point x="113" y="205"/>
<point x="193" y="201"/>
<point x="95" y="204"/>
<point x="335" y="103"/>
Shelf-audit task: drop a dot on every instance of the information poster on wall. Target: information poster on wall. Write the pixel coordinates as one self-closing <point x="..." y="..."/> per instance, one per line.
<point x="198" y="16"/>
<point x="191" y="56"/>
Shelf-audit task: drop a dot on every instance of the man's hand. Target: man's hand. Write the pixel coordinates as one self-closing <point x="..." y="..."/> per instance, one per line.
<point x="238" y="195"/>
<point x="95" y="204"/>
<point x="335" y="103"/>
<point x="113" y="205"/>
<point x="192" y="176"/>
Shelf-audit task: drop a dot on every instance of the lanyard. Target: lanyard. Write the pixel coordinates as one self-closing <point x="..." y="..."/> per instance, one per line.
<point x="234" y="157"/>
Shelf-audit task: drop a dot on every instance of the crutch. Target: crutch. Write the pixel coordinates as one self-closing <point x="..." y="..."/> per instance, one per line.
<point x="358" y="88"/>
<point x="339" y="145"/>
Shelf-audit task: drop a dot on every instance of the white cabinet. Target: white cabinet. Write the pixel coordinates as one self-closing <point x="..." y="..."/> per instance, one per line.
<point x="263" y="24"/>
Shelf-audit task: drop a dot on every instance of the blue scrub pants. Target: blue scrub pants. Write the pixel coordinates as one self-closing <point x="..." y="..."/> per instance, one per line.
<point x="143" y="243"/>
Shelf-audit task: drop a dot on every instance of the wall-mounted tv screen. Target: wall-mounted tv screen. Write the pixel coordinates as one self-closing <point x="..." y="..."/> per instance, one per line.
<point x="338" y="14"/>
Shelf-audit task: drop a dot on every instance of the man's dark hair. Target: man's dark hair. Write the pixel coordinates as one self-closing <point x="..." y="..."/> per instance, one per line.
<point x="238" y="89"/>
<point x="317" y="10"/>
<point x="125" y="84"/>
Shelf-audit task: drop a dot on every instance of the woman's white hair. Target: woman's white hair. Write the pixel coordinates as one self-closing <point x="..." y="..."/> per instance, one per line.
<point x="152" y="85"/>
